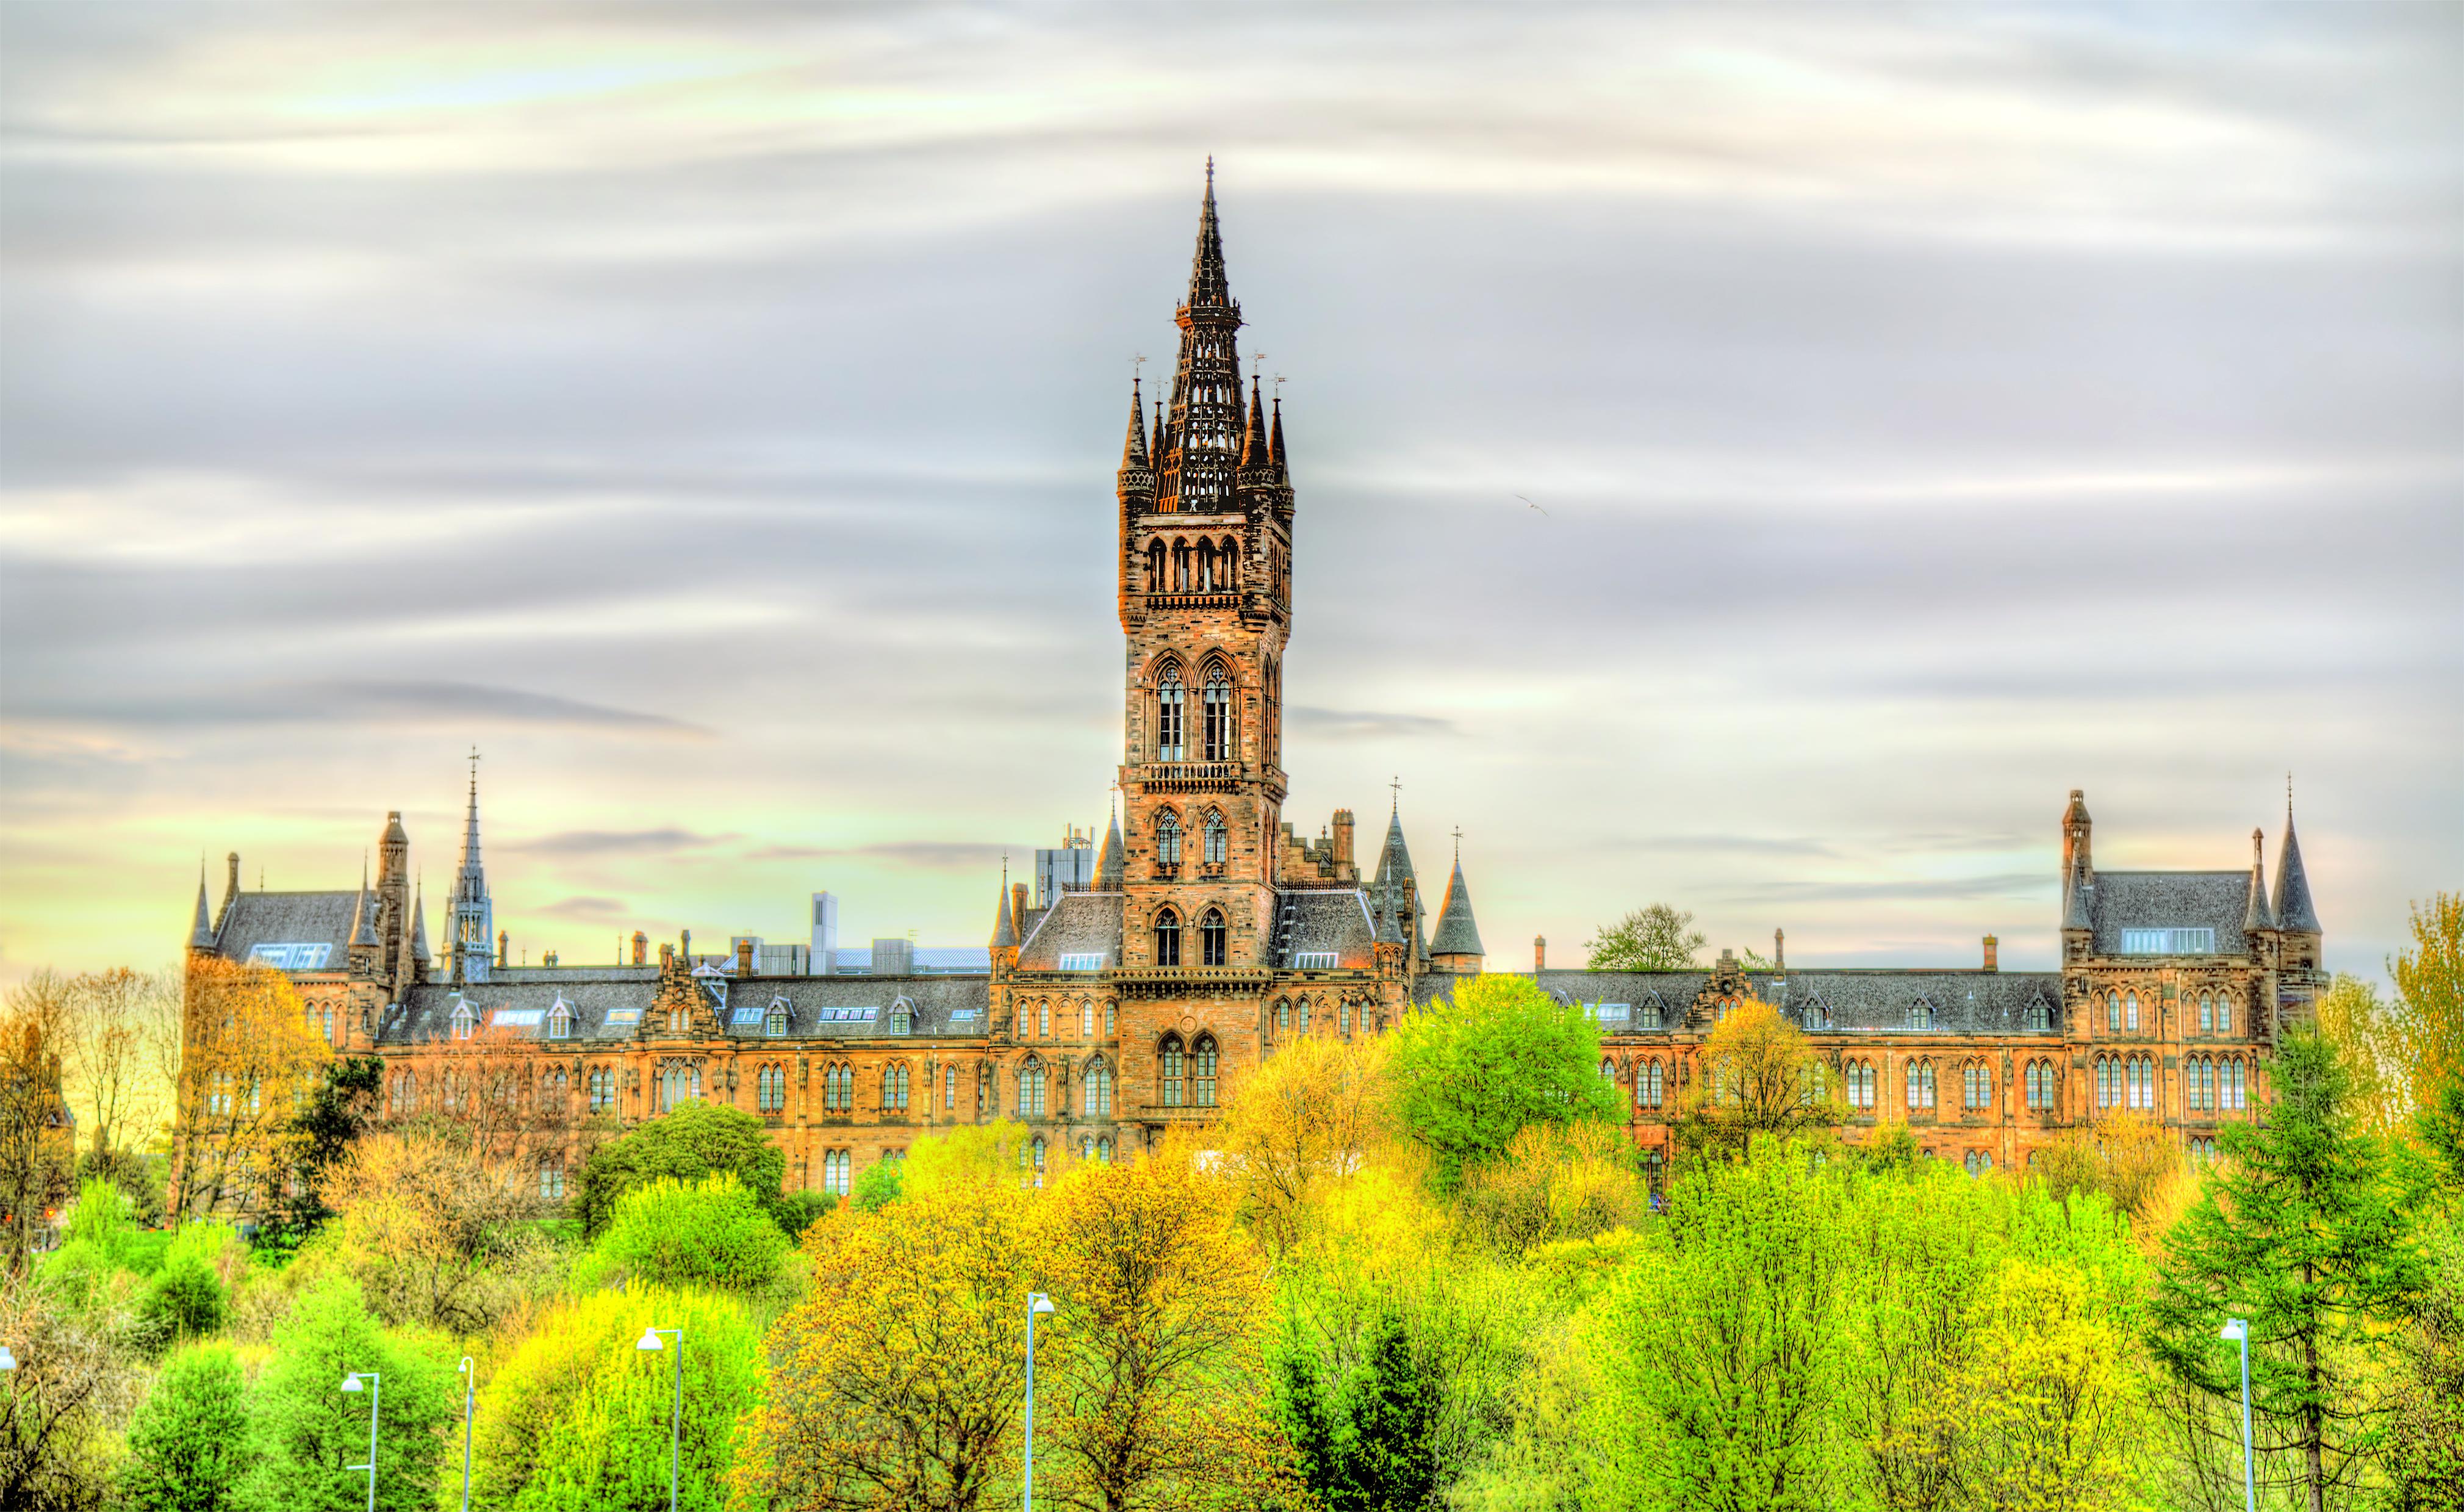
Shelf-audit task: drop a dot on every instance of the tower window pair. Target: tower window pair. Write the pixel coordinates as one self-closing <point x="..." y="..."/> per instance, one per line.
<point x="1215" y="708"/>
<point x="1213" y="943"/>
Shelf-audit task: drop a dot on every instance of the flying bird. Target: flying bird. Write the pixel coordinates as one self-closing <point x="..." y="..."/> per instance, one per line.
<point x="1544" y="513"/>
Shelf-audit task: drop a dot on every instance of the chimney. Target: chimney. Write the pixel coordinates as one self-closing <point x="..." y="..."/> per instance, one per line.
<point x="1342" y="837"/>
<point x="230" y="889"/>
<point x="641" y="948"/>
<point x="744" y="956"/>
<point x="1539" y="952"/>
<point x="1018" y="908"/>
<point x="667" y="955"/>
<point x="500" y="949"/>
<point x="1989" y="963"/>
<point x="1779" y="949"/>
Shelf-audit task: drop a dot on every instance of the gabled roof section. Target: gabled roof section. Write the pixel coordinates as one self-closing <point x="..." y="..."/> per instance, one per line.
<point x="1315" y="924"/>
<point x="2217" y="901"/>
<point x="289" y="918"/>
<point x="1077" y="924"/>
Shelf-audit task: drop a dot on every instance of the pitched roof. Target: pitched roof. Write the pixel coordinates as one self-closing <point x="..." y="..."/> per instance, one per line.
<point x="935" y="1006"/>
<point x="1076" y="924"/>
<point x="1323" y="921"/>
<point x="1457" y="934"/>
<point x="2217" y="901"/>
<point x="1958" y="1001"/>
<point x="290" y="919"/>
<point x="2293" y="907"/>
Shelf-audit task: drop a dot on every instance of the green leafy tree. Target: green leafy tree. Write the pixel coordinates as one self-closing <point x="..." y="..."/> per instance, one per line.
<point x="1657" y="938"/>
<point x="188" y="1301"/>
<point x="337" y="1115"/>
<point x="709" y="1232"/>
<point x="1473" y="1070"/>
<point x="689" y="1143"/>
<point x="578" y="1420"/>
<point x="189" y="1444"/>
<point x="878" y="1186"/>
<point x="2306" y="1229"/>
<point x="309" y="1431"/>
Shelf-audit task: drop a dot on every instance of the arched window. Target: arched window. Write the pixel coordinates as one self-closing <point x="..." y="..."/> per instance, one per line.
<point x="1210" y="936"/>
<point x="893" y="1089"/>
<point x="773" y="1088"/>
<point x="1861" y="1084"/>
<point x="1921" y="1014"/>
<point x="1169" y="711"/>
<point x="834" y="1171"/>
<point x="2224" y="1014"/>
<point x="1343" y="1019"/>
<point x="1230" y="558"/>
<point x="902" y="1017"/>
<point x="1283" y="1013"/>
<point x="2142" y="1081"/>
<point x="1608" y="1072"/>
<point x="1977" y="1086"/>
<point x="1167" y="938"/>
<point x="1201" y="1072"/>
<point x="1096" y="1087"/>
<point x="2232" y="1084"/>
<point x="949" y="1086"/>
<point x="1169" y="1064"/>
<point x="1219" y="716"/>
<point x="1655" y="1167"/>
<point x="1155" y="567"/>
<point x="2035" y="1078"/>
<point x="1302" y="1011"/>
<point x="1111" y="1012"/>
<point x="551" y="1179"/>
<point x="1217" y="839"/>
<point x="2113" y="1012"/>
<point x="405" y="1091"/>
<point x="329" y="1023"/>
<point x="1921" y="1084"/>
<point x="838" y="1089"/>
<point x="599" y="1088"/>
<point x="1086" y="1018"/>
<point x="678" y="1085"/>
<point x="1043" y="1020"/>
<point x="2207" y="1013"/>
<point x="2130" y="1012"/>
<point x="774" y="1023"/>
<point x="1166" y="841"/>
<point x="1030" y="1089"/>
<point x="559" y="1021"/>
<point x="2038" y="1017"/>
<point x="1647" y="1085"/>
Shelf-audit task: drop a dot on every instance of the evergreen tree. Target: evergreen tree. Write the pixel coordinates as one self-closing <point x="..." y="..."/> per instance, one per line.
<point x="188" y="1445"/>
<point x="693" y="1142"/>
<point x="337" y="1115"/>
<point x="309" y="1431"/>
<point x="2306" y="1229"/>
<point x="1392" y="1462"/>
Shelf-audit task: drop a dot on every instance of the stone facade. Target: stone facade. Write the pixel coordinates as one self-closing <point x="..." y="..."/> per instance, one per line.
<point x="1212" y="931"/>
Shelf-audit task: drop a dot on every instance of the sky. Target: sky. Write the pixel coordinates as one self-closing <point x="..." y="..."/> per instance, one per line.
<point x="709" y="413"/>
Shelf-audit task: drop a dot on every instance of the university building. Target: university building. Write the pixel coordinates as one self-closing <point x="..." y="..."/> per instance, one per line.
<point x="1121" y="1004"/>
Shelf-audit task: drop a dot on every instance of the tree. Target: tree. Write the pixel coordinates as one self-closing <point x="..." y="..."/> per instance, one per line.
<point x="2430" y="985"/>
<point x="1156" y="1363"/>
<point x="37" y="1160"/>
<point x="686" y="1145"/>
<point x="337" y="1115"/>
<point x="1470" y="1071"/>
<point x="1657" y="938"/>
<point x="309" y="1432"/>
<point x="77" y="1378"/>
<point x="248" y="1059"/>
<point x="709" y="1232"/>
<point x="1308" y="1117"/>
<point x="2365" y="1030"/>
<point x="578" y="1419"/>
<point x="2128" y="1157"/>
<point x="122" y="1029"/>
<point x="437" y="1232"/>
<point x="1757" y="1077"/>
<point x="877" y="1186"/>
<point x="189" y="1444"/>
<point x="896" y="1382"/>
<point x="1370" y="1446"/>
<point x="2306" y="1229"/>
<point x="1554" y="1182"/>
<point x="1714" y="1359"/>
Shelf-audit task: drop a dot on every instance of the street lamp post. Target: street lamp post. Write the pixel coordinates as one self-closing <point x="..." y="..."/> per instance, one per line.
<point x="2237" y="1330"/>
<point x="1036" y="1302"/>
<point x="375" y="1387"/>
<point x="675" y="1418"/>
<point x="470" y="1378"/>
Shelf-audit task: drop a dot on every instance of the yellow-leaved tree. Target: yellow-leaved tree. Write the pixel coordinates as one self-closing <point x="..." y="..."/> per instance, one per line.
<point x="1156" y="1373"/>
<point x="248" y="1064"/>
<point x="1308" y="1119"/>
<point x="1756" y="1074"/>
<point x="897" y="1382"/>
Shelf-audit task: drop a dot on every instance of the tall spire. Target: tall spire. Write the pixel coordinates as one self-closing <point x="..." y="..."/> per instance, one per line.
<point x="1134" y="450"/>
<point x="364" y="913"/>
<point x="1111" y="869"/>
<point x="2258" y="915"/>
<point x="1207" y="284"/>
<point x="473" y="928"/>
<point x="1275" y="441"/>
<point x="471" y="873"/>
<point x="201" y="937"/>
<point x="2294" y="911"/>
<point x="1004" y="929"/>
<point x="1198" y="451"/>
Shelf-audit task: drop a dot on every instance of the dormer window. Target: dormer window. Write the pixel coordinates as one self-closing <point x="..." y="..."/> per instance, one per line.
<point x="560" y="1020"/>
<point x="774" y="1023"/>
<point x="1921" y="1014"/>
<point x="464" y="1020"/>
<point x="902" y="1017"/>
<point x="2038" y="1018"/>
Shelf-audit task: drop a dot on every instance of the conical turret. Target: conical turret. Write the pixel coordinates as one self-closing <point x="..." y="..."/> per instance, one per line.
<point x="1137" y="481"/>
<point x="201" y="935"/>
<point x="1456" y="946"/>
<point x="1004" y="928"/>
<point x="1275" y="442"/>
<point x="1111" y="869"/>
<point x="1257" y="457"/>
<point x="2294" y="912"/>
<point x="364" y="915"/>
<point x="2258" y="915"/>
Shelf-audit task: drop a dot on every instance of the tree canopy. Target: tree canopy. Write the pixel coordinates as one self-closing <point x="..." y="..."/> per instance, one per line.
<point x="1658" y="937"/>
<point x="693" y="1143"/>
<point x="1473" y="1069"/>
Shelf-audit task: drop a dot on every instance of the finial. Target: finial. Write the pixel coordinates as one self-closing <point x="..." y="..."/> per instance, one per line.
<point x="2288" y="792"/>
<point x="1256" y="360"/>
<point x="1210" y="175"/>
<point x="1397" y="786"/>
<point x="1458" y="845"/>
<point x="2258" y="846"/>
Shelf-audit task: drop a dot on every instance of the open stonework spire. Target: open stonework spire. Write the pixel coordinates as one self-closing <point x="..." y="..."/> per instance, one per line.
<point x="1200" y="450"/>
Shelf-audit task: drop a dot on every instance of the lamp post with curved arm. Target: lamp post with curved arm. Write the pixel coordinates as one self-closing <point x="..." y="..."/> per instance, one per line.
<point x="677" y="1418"/>
<point x="2238" y="1330"/>
<point x="1036" y="1302"/>
<point x="375" y="1387"/>
<point x="469" y="1379"/>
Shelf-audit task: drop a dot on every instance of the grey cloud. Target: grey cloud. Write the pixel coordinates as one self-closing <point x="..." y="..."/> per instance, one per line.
<point x="1367" y="724"/>
<point x="616" y="842"/>
<point x="586" y="909"/>
<point x="376" y="703"/>
<point x="927" y="855"/>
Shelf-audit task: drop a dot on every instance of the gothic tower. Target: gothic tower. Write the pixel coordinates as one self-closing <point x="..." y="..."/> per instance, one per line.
<point x="473" y="915"/>
<point x="1205" y="572"/>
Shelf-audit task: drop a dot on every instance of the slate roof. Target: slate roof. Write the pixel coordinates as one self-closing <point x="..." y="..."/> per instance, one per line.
<point x="1457" y="934"/>
<point x="1962" y="1001"/>
<point x="2293" y="907"/>
<point x="2119" y="901"/>
<point x="1316" y="921"/>
<point x="1077" y="924"/>
<point x="262" y="918"/>
<point x="933" y="1002"/>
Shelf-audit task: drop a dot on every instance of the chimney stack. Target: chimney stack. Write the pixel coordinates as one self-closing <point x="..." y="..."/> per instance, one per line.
<point x="641" y="948"/>
<point x="500" y="949"/>
<point x="744" y="956"/>
<point x="667" y="955"/>
<point x="1018" y="908"/>
<point x="1779" y="949"/>
<point x="1990" y="965"/>
<point x="230" y="889"/>
<point x="1342" y="839"/>
<point x="686" y="948"/>
<point x="1539" y="952"/>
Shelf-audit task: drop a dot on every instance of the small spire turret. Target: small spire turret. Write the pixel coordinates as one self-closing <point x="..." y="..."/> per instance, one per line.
<point x="2294" y="911"/>
<point x="201" y="935"/>
<point x="2258" y="916"/>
